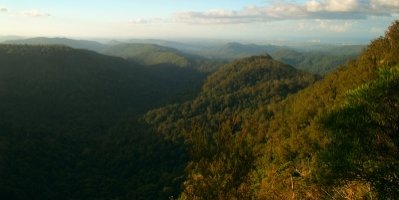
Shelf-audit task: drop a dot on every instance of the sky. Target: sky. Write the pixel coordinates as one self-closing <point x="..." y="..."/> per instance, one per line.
<point x="346" y="21"/>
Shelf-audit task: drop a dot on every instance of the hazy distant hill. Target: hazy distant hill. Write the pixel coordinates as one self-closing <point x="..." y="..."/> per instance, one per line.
<point x="78" y="44"/>
<point x="235" y="50"/>
<point x="187" y="47"/>
<point x="320" y="59"/>
<point x="316" y="61"/>
<point x="148" y="54"/>
<point x="156" y="55"/>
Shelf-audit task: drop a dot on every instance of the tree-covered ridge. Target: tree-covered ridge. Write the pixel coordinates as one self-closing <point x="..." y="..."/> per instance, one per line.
<point x="241" y="85"/>
<point x="159" y="56"/>
<point x="69" y="128"/>
<point x="148" y="54"/>
<point x="215" y="124"/>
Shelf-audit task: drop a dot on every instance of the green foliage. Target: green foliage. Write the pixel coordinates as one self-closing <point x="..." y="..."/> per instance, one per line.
<point x="364" y="142"/>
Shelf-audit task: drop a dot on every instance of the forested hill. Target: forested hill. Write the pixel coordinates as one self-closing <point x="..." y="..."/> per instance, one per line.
<point x="220" y="156"/>
<point x="236" y="87"/>
<point x="336" y="138"/>
<point x="68" y="127"/>
<point x="78" y="81"/>
<point x="156" y="55"/>
<point x="148" y="54"/>
<point x="78" y="44"/>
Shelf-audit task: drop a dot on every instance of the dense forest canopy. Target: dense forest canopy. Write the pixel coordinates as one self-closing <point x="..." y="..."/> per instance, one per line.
<point x="156" y="123"/>
<point x="69" y="125"/>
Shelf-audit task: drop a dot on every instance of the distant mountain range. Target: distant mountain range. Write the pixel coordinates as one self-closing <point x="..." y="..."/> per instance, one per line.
<point x="313" y="58"/>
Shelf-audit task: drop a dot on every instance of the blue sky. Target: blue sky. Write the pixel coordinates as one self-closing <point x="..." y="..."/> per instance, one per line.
<point x="256" y="20"/>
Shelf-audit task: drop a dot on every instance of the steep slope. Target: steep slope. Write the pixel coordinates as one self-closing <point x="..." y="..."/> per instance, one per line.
<point x="295" y="135"/>
<point x="78" y="44"/>
<point x="68" y="127"/>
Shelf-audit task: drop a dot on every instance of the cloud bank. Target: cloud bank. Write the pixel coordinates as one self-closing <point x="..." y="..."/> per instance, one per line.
<point x="312" y="9"/>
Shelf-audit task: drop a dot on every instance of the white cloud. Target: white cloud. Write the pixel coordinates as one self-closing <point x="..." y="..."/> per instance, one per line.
<point x="386" y="3"/>
<point x="312" y="9"/>
<point x="35" y="13"/>
<point x="341" y="5"/>
<point x="314" y="6"/>
<point x="220" y="16"/>
<point x="148" y="21"/>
